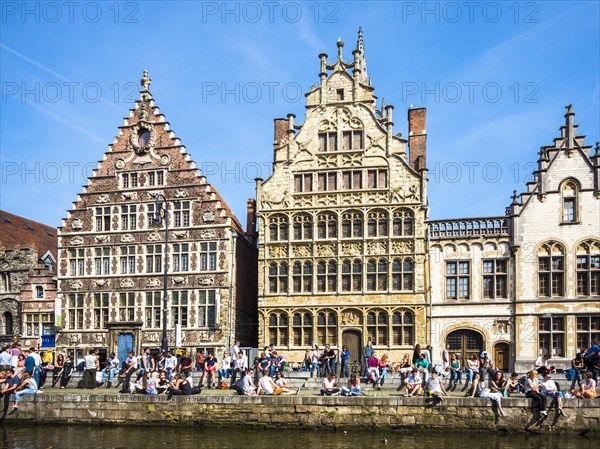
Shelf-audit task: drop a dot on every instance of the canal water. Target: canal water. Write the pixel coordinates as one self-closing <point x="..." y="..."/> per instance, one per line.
<point x="13" y="436"/>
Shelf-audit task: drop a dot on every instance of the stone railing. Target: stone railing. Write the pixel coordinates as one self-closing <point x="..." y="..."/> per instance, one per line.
<point x="454" y="413"/>
<point x="468" y="227"/>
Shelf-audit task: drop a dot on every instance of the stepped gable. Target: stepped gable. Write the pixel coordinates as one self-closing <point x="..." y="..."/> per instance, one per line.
<point x="146" y="142"/>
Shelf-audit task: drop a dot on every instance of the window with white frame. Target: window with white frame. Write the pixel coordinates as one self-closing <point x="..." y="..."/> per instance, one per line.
<point x="181" y="213"/>
<point x="588" y="268"/>
<point x="551" y="334"/>
<point x="101" y="304"/>
<point x="181" y="256"/>
<point x="77" y="261"/>
<point x="153" y="258"/>
<point x="128" y="217"/>
<point x="102" y="219"/>
<point x="551" y="270"/>
<point x="495" y="278"/>
<point x="127" y="259"/>
<point x="38" y="324"/>
<point x="569" y="199"/>
<point x="156" y="178"/>
<point x="153" y="310"/>
<point x="179" y="308"/>
<point x="126" y="306"/>
<point x="75" y="310"/>
<point x="102" y="261"/>
<point x="207" y="308"/>
<point x="458" y="279"/>
<point x="587" y="330"/>
<point x="208" y="256"/>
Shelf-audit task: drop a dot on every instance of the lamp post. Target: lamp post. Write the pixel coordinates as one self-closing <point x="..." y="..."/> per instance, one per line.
<point x="162" y="214"/>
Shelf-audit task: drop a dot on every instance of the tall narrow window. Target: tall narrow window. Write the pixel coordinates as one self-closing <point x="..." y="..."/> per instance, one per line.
<point x="352" y="179"/>
<point x="377" y="224"/>
<point x="551" y="334"/>
<point x="278" y="329"/>
<point x="101" y="301"/>
<point x="153" y="310"/>
<point x="156" y="178"/>
<point x="352" y="275"/>
<point x="302" y="277"/>
<point x="588" y="330"/>
<point x="327" y="328"/>
<point x="75" y="310"/>
<point x="126" y="306"/>
<point x="128" y="217"/>
<point x="352" y="140"/>
<point x="326" y="226"/>
<point x="181" y="213"/>
<point x="402" y="224"/>
<point x="403" y="274"/>
<point x="181" y="256"/>
<point x="179" y="308"/>
<point x="569" y="197"/>
<point x="102" y="261"/>
<point x="207" y="308"/>
<point x="153" y="258"/>
<point x="278" y="228"/>
<point x="377" y="327"/>
<point x="208" y="256"/>
<point x="278" y="278"/>
<point x="551" y="270"/>
<point x="377" y="179"/>
<point x="352" y="224"/>
<point x="588" y="268"/>
<point x="77" y="261"/>
<point x="302" y="329"/>
<point x="495" y="279"/>
<point x="303" y="227"/>
<point x="328" y="141"/>
<point x="327" y="182"/>
<point x="102" y="219"/>
<point x="127" y="259"/>
<point x="458" y="280"/>
<point x="403" y="328"/>
<point x="377" y="272"/>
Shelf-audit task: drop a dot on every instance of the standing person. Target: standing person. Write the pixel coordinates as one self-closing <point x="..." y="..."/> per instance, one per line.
<point x="591" y="355"/>
<point x="91" y="366"/>
<point x="148" y="364"/>
<point x="532" y="391"/>
<point x="170" y="364"/>
<point x="416" y="353"/>
<point x="328" y="360"/>
<point x="29" y="363"/>
<point x="200" y="360"/>
<point x="446" y="358"/>
<point x="38" y="365"/>
<point x="68" y="368"/>
<point x="277" y="363"/>
<point x="5" y="359"/>
<point x="366" y="353"/>
<point x="428" y="351"/>
<point x="344" y="359"/>
<point x="307" y="360"/>
<point x="486" y="366"/>
<point x="314" y="360"/>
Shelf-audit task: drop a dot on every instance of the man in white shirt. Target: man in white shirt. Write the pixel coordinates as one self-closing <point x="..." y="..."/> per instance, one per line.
<point x="112" y="368"/>
<point x="413" y="383"/>
<point x="91" y="365"/>
<point x="5" y="359"/>
<point x="241" y="365"/>
<point x="170" y="364"/>
<point x="248" y="384"/>
<point x="435" y="387"/>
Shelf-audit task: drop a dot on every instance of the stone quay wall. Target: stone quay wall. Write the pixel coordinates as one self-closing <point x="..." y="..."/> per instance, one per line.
<point x="456" y="414"/>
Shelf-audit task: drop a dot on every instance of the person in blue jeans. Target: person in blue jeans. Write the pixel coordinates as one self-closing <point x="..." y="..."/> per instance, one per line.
<point x="314" y="360"/>
<point x="112" y="368"/>
<point x="344" y="359"/>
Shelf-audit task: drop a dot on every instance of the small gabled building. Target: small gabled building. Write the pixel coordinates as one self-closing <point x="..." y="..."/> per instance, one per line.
<point x="112" y="256"/>
<point x="28" y="255"/>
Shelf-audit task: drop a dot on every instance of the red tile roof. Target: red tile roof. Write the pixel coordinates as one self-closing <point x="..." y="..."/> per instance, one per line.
<point x="15" y="230"/>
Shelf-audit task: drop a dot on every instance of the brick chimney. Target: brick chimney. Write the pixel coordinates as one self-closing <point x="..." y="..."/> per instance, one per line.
<point x="417" y="138"/>
<point x="251" y="219"/>
<point x="280" y="131"/>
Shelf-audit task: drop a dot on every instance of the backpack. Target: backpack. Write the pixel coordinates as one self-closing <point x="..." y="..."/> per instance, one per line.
<point x="223" y="386"/>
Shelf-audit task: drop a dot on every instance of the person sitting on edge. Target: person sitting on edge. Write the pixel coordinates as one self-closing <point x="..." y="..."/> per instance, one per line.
<point x="588" y="388"/>
<point x="549" y="389"/>
<point x="435" y="387"/>
<point x="210" y="368"/>
<point x="353" y="388"/>
<point x="266" y="384"/>
<point x="248" y="386"/>
<point x="373" y="369"/>
<point x="513" y="385"/>
<point x="277" y="363"/>
<point x="280" y="380"/>
<point x="478" y="390"/>
<point x="541" y="364"/>
<point x="422" y="364"/>
<point x="329" y="387"/>
<point x="532" y="391"/>
<point x="181" y="387"/>
<point x="499" y="384"/>
<point x="225" y="366"/>
<point x="455" y="372"/>
<point x="112" y="368"/>
<point x="28" y="386"/>
<point x="413" y="383"/>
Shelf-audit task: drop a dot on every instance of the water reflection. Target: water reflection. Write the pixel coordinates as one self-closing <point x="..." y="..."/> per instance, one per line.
<point x="183" y="437"/>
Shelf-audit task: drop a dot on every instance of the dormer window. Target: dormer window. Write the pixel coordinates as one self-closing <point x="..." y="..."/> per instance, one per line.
<point x="340" y="94"/>
<point x="569" y="200"/>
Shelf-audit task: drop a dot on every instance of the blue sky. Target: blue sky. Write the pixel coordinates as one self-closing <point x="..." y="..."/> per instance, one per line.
<point x="494" y="76"/>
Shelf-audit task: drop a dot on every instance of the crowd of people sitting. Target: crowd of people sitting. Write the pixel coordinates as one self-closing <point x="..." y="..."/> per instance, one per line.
<point x="25" y="371"/>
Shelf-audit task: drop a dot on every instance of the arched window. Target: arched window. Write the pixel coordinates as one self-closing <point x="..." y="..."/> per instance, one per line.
<point x="278" y="228"/>
<point x="302" y="277"/>
<point x="588" y="268"/>
<point x="8" y="323"/>
<point x="403" y="274"/>
<point x="377" y="327"/>
<point x="403" y="328"/>
<point x="377" y="223"/>
<point x="326" y="276"/>
<point x="377" y="272"/>
<point x="402" y="224"/>
<point x="327" y="327"/>
<point x="278" y="278"/>
<point x="303" y="227"/>
<point x="352" y="224"/>
<point x="551" y="270"/>
<point x="569" y="200"/>
<point x="327" y="226"/>
<point x="302" y="329"/>
<point x="352" y="275"/>
<point x="39" y="292"/>
<point x="278" y="328"/>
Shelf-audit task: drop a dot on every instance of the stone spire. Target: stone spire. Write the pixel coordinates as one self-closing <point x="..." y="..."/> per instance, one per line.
<point x="360" y="46"/>
<point x="145" y="82"/>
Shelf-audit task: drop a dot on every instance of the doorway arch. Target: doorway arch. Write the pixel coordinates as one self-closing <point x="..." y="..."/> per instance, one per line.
<point x="352" y="338"/>
<point x="465" y="342"/>
<point x="502" y="356"/>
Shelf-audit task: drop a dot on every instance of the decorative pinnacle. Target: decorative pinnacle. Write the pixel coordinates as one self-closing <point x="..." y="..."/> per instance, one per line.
<point x="145" y="81"/>
<point x="514" y="197"/>
<point x="360" y="45"/>
<point x="569" y="109"/>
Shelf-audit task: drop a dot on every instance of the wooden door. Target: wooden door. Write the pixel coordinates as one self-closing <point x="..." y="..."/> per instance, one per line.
<point x="502" y="356"/>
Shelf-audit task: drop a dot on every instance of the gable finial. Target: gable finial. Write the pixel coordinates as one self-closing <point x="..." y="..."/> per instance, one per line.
<point x="145" y="81"/>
